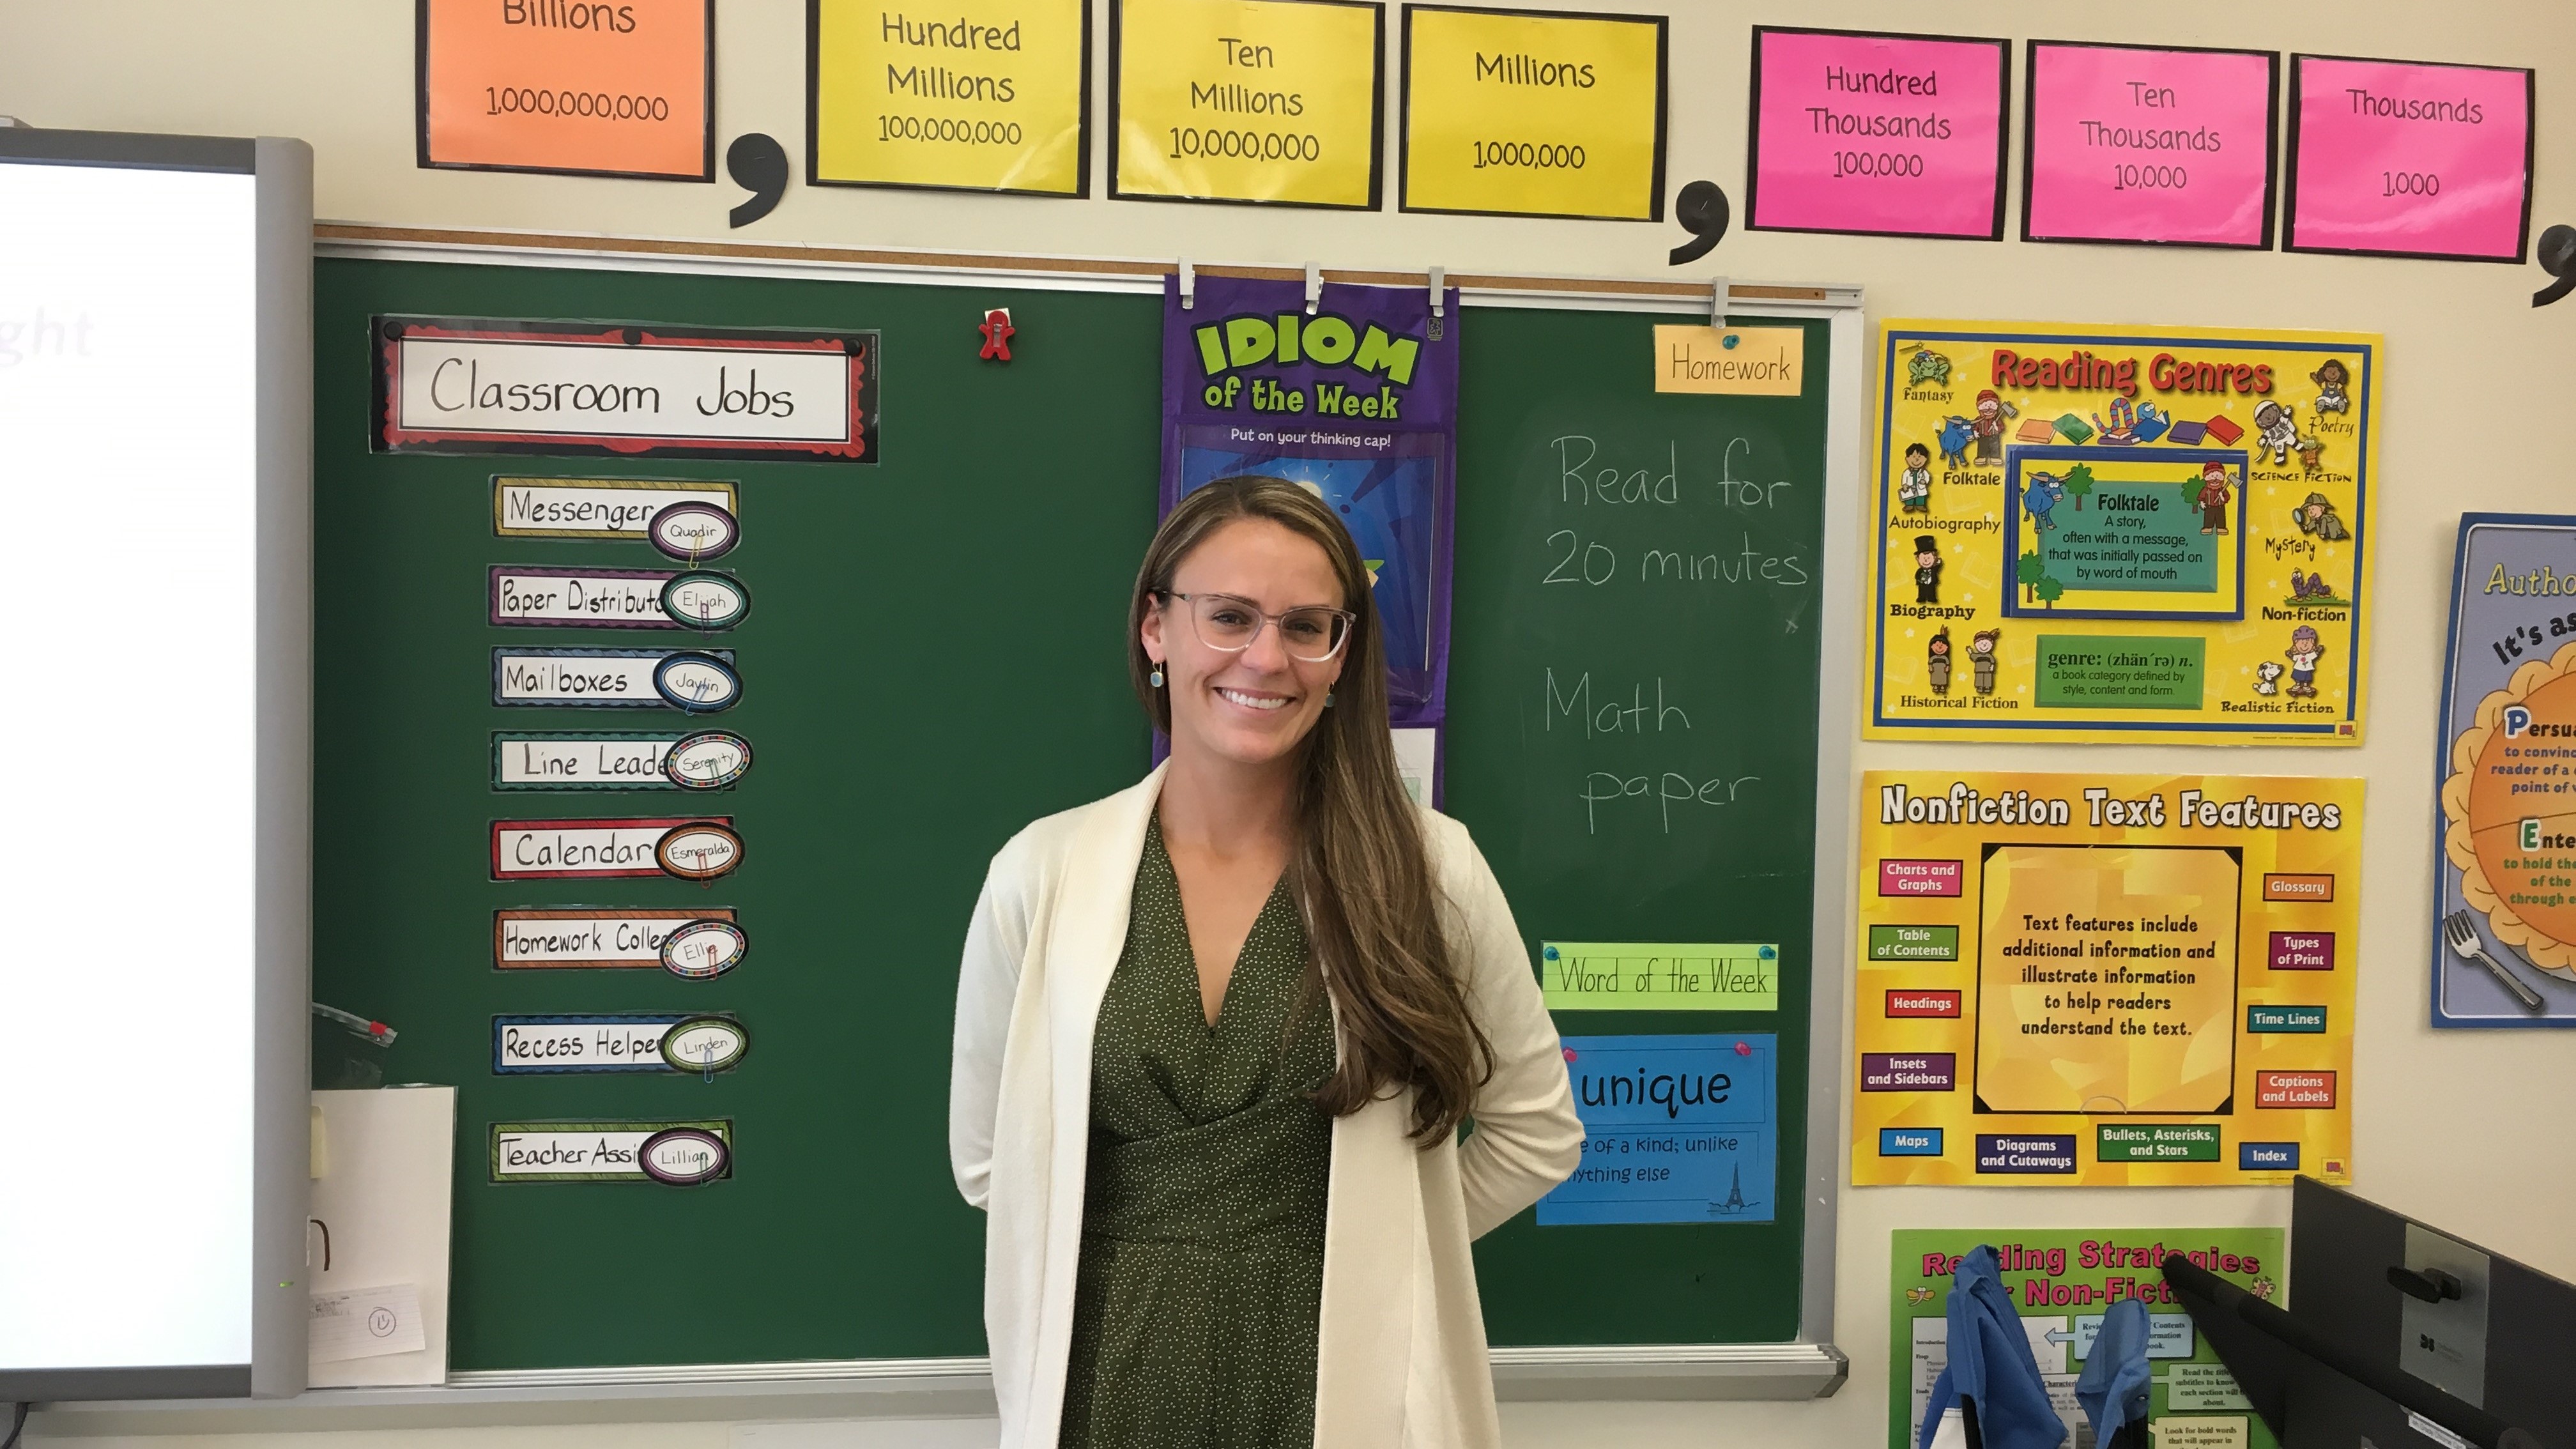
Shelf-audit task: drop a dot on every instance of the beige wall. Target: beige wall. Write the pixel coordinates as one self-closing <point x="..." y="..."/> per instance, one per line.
<point x="2467" y="1130"/>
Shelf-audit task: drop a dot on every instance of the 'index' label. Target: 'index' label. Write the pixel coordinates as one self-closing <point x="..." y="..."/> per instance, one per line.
<point x="1920" y="877"/>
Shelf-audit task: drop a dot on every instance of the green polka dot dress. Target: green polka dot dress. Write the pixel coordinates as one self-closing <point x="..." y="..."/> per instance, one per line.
<point x="1202" y="1272"/>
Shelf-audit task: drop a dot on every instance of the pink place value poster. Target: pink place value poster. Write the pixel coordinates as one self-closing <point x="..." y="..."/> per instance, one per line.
<point x="2409" y="159"/>
<point x="2140" y="144"/>
<point x="1888" y="135"/>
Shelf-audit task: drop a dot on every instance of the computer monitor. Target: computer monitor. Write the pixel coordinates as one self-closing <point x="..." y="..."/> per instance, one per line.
<point x="2397" y="1335"/>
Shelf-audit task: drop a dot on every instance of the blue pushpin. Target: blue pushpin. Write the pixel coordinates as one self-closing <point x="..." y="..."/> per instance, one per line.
<point x="1549" y="952"/>
<point x="1731" y="340"/>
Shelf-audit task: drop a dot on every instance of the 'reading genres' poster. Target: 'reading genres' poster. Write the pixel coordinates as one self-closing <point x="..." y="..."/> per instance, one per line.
<point x="2105" y="980"/>
<point x="2092" y="533"/>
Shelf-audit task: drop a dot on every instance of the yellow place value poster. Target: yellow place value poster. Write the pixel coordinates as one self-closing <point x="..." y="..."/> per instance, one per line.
<point x="1247" y="100"/>
<point x="2105" y="980"/>
<point x="983" y="95"/>
<point x="1532" y="114"/>
<point x="2093" y="533"/>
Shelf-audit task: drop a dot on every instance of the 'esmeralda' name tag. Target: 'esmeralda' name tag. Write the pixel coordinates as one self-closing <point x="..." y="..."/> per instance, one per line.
<point x="585" y="678"/>
<point x="604" y="1151"/>
<point x="620" y="1043"/>
<point x="588" y="849"/>
<point x="593" y="507"/>
<point x="588" y="937"/>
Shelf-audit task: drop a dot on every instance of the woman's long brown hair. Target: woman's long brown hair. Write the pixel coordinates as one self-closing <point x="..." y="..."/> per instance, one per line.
<point x="1360" y="871"/>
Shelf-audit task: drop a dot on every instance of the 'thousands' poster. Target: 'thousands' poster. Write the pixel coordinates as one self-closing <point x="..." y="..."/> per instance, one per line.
<point x="1356" y="401"/>
<point x="2504" y="929"/>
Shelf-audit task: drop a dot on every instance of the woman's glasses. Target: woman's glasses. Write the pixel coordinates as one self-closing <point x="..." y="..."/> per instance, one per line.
<point x="1311" y="634"/>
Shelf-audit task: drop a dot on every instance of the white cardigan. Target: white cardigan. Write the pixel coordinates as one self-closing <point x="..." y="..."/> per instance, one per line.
<point x="1401" y="1358"/>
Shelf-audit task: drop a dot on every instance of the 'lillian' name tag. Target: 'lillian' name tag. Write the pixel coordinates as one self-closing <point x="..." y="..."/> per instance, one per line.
<point x="546" y="761"/>
<point x="606" y="678"/>
<point x="580" y="598"/>
<point x="602" y="849"/>
<point x="606" y="937"/>
<point x="596" y="507"/>
<point x="594" y="1151"/>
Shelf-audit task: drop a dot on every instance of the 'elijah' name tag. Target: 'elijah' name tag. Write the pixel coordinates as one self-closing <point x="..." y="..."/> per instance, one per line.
<point x="588" y="849"/>
<point x="599" y="1151"/>
<point x="587" y="678"/>
<point x="1750" y="361"/>
<point x="580" y="598"/>
<point x="593" y="507"/>
<point x="588" y="937"/>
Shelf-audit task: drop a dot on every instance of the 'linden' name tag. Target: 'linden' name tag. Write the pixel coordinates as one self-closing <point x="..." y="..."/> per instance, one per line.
<point x="1751" y="361"/>
<point x="601" y="937"/>
<point x="595" y="1151"/>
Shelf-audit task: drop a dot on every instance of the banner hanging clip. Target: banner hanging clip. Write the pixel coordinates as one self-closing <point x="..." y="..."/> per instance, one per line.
<point x="1314" y="286"/>
<point x="1718" y="290"/>
<point x="1189" y="285"/>
<point x="1439" y="291"/>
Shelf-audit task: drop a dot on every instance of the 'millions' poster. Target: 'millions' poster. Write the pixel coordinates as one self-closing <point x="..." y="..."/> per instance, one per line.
<point x="2105" y="980"/>
<point x="2504" y="930"/>
<point x="2093" y="533"/>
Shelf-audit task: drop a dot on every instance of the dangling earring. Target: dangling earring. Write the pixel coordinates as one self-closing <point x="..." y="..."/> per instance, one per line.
<point x="1156" y="678"/>
<point x="1328" y="699"/>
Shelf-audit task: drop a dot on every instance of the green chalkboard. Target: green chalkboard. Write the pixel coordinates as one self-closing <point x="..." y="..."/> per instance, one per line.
<point x="934" y="660"/>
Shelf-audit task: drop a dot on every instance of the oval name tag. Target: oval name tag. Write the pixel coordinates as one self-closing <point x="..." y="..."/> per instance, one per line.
<point x="706" y="1044"/>
<point x="699" y="850"/>
<point x="706" y="600"/>
<point x="684" y="1156"/>
<point x="707" y="760"/>
<point x="697" y="683"/>
<point x="703" y="949"/>
<point x="694" y="529"/>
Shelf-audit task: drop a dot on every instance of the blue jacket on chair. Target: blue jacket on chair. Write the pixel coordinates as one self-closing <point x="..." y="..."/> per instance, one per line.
<point x="1991" y="1367"/>
<point x="2116" y="1377"/>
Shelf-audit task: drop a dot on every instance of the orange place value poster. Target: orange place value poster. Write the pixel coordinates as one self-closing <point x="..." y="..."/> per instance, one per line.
<point x="584" y="87"/>
<point x="2105" y="980"/>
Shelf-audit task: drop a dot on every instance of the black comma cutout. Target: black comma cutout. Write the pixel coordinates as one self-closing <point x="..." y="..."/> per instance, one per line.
<point x="757" y="164"/>
<point x="1703" y="212"/>
<point x="2557" y="256"/>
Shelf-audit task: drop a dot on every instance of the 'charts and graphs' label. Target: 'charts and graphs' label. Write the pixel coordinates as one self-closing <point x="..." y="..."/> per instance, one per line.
<point x="596" y="507"/>
<point x="466" y="385"/>
<point x="592" y="1151"/>
<point x="591" y="678"/>
<point x="592" y="849"/>
<point x="2107" y="990"/>
<point x="1676" y="1129"/>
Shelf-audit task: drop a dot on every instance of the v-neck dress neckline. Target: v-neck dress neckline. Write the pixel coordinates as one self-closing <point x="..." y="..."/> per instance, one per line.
<point x="1196" y="1300"/>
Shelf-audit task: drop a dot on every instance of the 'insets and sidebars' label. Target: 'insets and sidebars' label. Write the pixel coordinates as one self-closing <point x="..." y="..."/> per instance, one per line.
<point x="586" y="849"/>
<point x="586" y="678"/>
<point x="1909" y="1071"/>
<point x="1921" y="877"/>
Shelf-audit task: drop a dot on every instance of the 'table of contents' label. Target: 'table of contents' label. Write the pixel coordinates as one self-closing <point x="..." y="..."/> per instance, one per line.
<point x="1922" y="1003"/>
<point x="2156" y="1142"/>
<point x="1909" y="1141"/>
<point x="1920" y="877"/>
<point x="1909" y="1072"/>
<point x="2295" y="1091"/>
<point x="2301" y="950"/>
<point x="2296" y="1020"/>
<point x="1913" y="943"/>
<point x="1998" y="1152"/>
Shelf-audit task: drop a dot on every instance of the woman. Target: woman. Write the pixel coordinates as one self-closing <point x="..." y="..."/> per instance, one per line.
<point x="1217" y="1035"/>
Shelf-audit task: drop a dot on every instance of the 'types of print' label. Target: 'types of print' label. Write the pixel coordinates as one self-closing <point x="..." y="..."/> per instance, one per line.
<point x="547" y="761"/>
<point x="1909" y="1071"/>
<point x="2294" y="1091"/>
<point x="620" y="1043"/>
<point x="589" y="937"/>
<point x="1921" y="877"/>
<point x="1675" y="1128"/>
<point x="585" y="1151"/>
<point x="584" y="678"/>
<point x="463" y="385"/>
<point x="2409" y="159"/>
<point x="580" y="598"/>
<point x="595" y="507"/>
<point x="2005" y="1153"/>
<point x="2132" y="143"/>
<point x="1884" y="134"/>
<point x="586" y="849"/>
<point x="2302" y="951"/>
